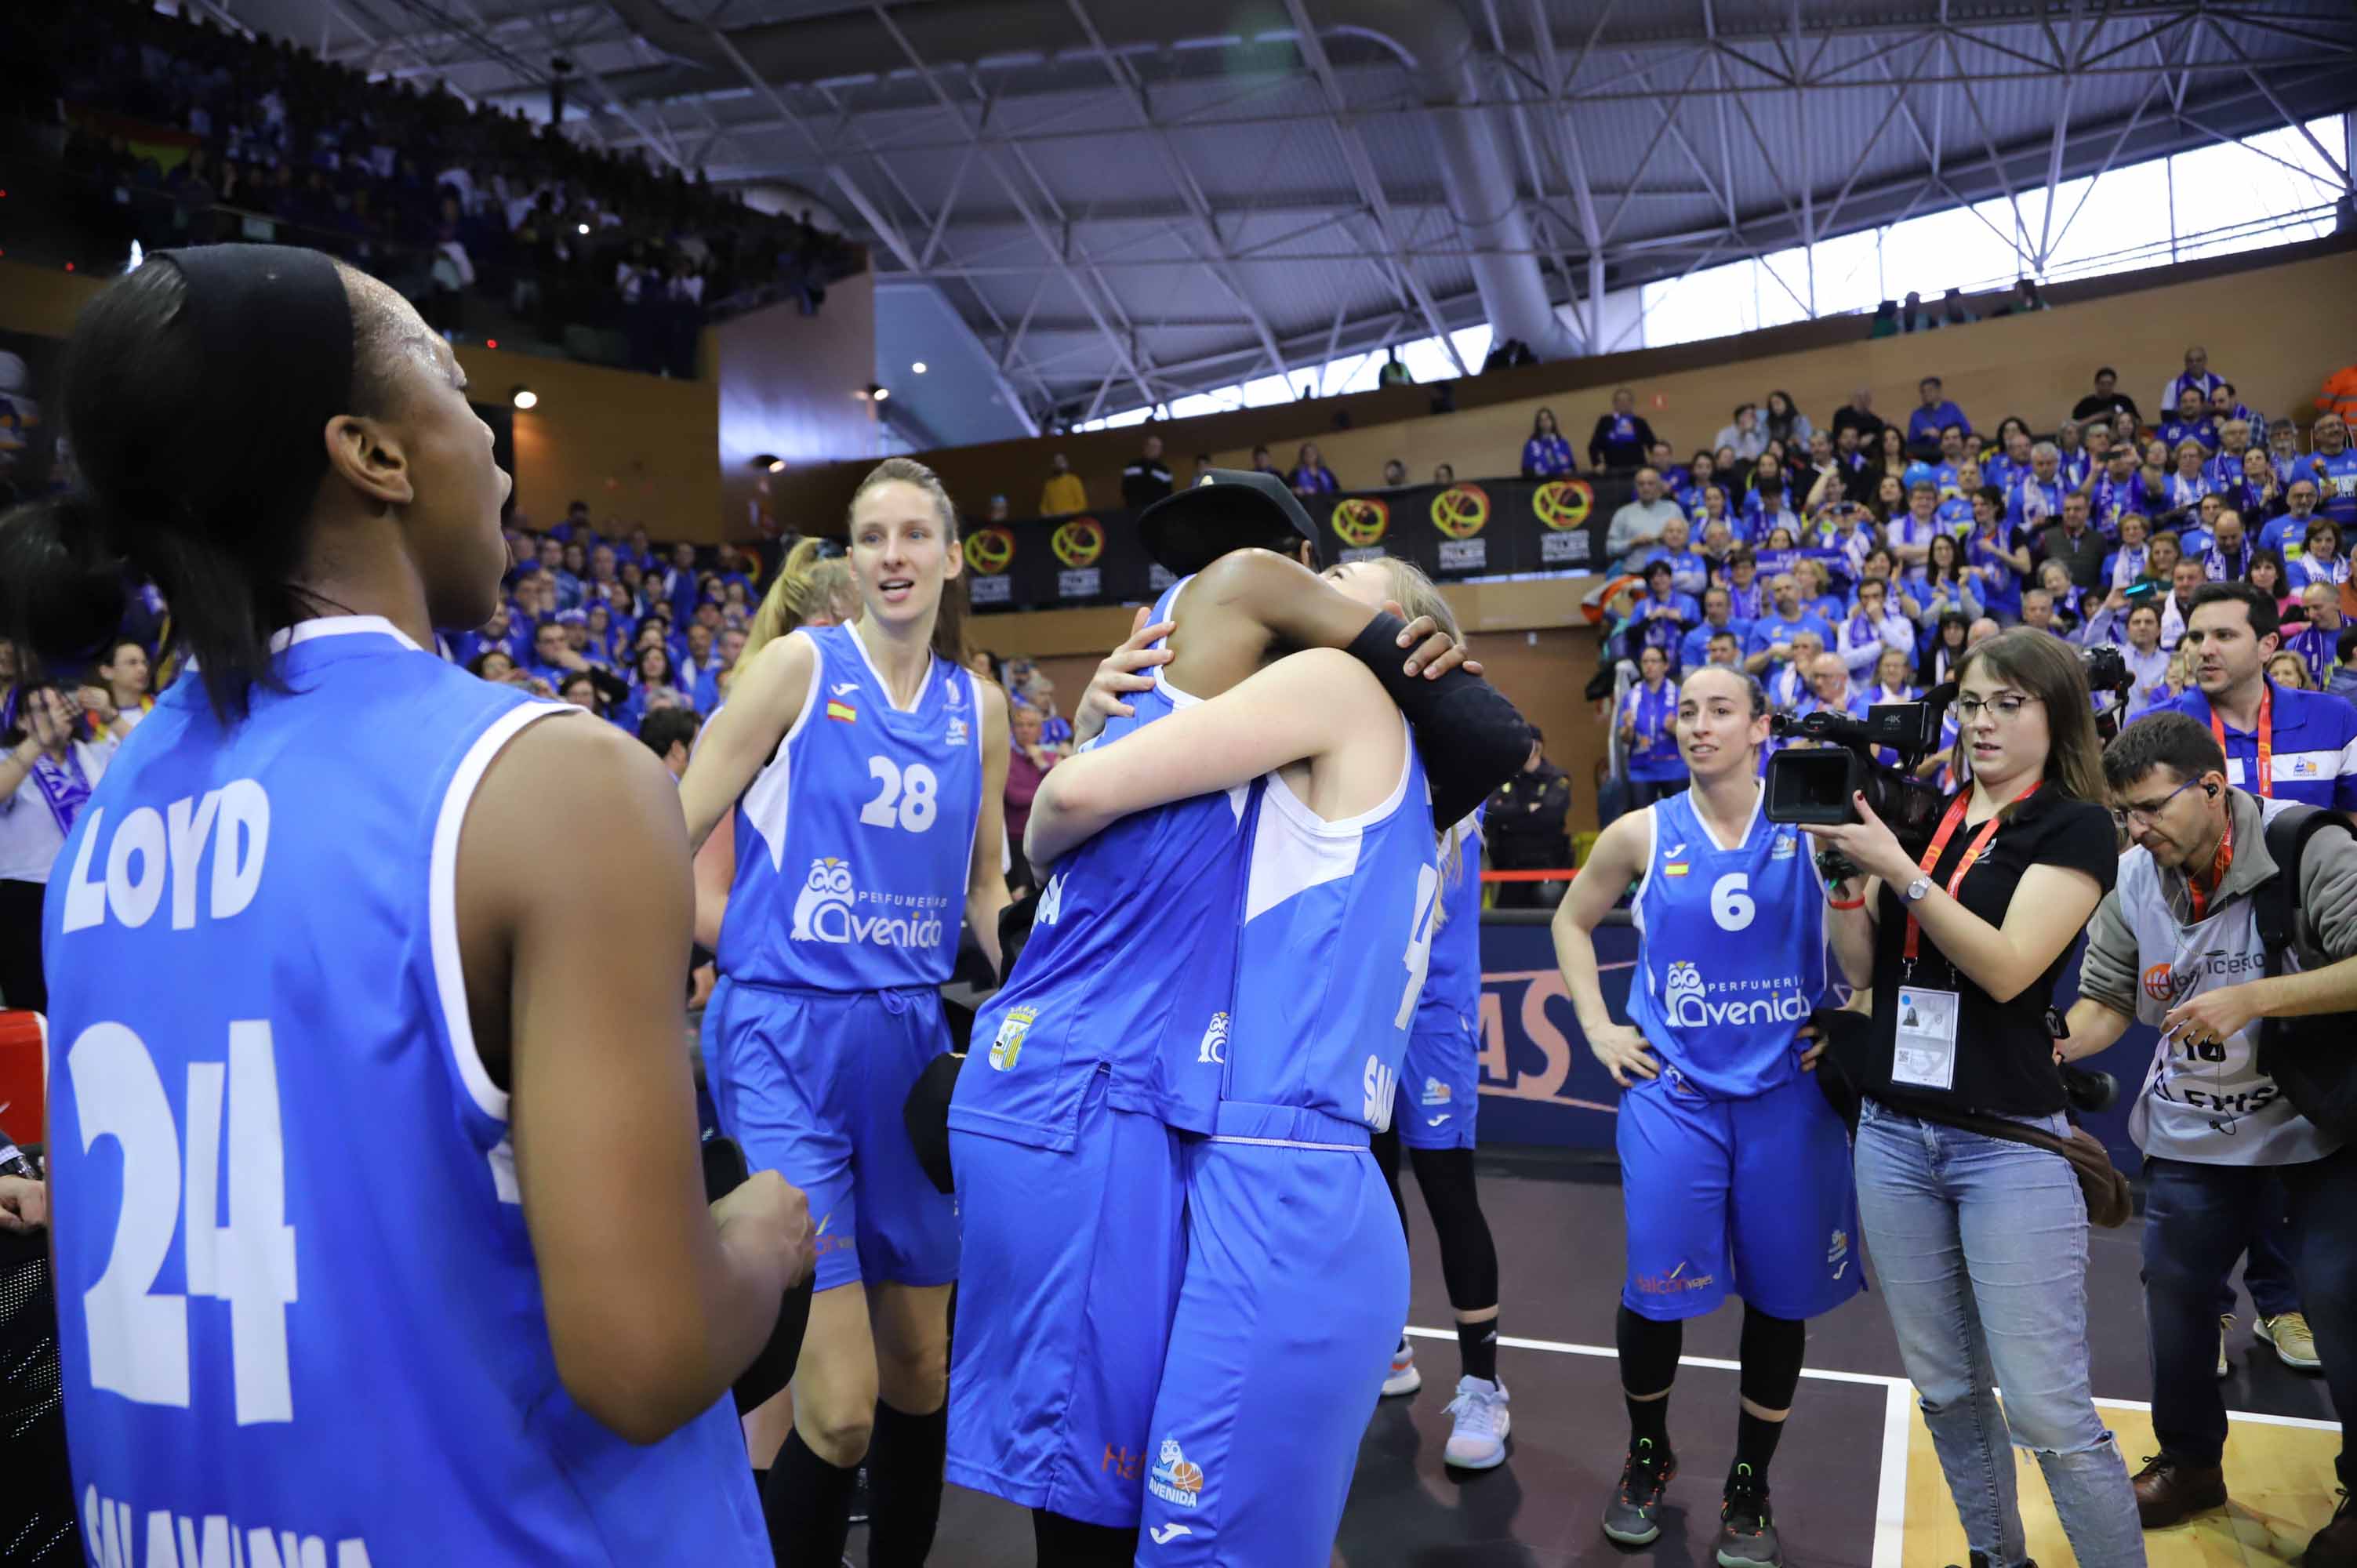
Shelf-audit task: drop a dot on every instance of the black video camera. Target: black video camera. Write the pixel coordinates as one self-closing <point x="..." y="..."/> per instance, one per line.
<point x="1813" y="785"/>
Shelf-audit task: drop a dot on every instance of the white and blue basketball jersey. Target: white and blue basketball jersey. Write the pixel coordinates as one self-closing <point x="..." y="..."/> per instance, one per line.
<point x="1730" y="952"/>
<point x="1452" y="983"/>
<point x="298" y="1315"/>
<point x="853" y="843"/>
<point x="1129" y="966"/>
<point x="1337" y="936"/>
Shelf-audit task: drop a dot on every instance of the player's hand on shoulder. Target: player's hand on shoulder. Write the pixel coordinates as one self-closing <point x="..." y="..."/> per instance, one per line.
<point x="773" y="1217"/>
<point x="1623" y="1052"/>
<point x="1123" y="670"/>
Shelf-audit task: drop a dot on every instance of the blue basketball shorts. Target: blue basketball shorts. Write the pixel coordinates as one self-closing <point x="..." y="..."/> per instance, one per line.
<point x="1065" y="1297"/>
<point x="811" y="1084"/>
<point x="1439" y="1086"/>
<point x="1752" y="1196"/>
<point x="1295" y="1289"/>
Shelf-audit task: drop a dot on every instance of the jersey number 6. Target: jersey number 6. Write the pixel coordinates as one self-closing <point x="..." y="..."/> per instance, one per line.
<point x="1730" y="905"/>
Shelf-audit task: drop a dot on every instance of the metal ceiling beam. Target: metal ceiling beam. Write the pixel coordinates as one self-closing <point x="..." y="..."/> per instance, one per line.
<point x="2062" y="128"/>
<point x="1220" y="267"/>
<point x="1125" y="352"/>
<point x="1362" y="170"/>
<point x="2275" y="104"/>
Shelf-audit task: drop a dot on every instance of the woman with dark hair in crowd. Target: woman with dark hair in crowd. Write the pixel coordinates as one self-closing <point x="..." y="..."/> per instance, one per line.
<point x="580" y="689"/>
<point x="1943" y="585"/>
<point x="1980" y="1244"/>
<point x="1546" y="455"/>
<point x="121" y="696"/>
<point x="2319" y="558"/>
<point x="2267" y="572"/>
<point x="870" y="766"/>
<point x="1787" y="424"/>
<point x="1947" y="649"/>
<point x="1892" y="457"/>
<point x="492" y="664"/>
<point x="285" y="449"/>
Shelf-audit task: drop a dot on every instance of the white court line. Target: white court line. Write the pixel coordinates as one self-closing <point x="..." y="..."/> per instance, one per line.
<point x="1890" y="1490"/>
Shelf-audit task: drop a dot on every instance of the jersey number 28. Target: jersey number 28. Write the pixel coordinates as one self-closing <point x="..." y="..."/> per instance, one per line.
<point x="913" y="790"/>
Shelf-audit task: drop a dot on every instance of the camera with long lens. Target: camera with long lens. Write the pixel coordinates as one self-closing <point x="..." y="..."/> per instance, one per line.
<point x="1813" y="785"/>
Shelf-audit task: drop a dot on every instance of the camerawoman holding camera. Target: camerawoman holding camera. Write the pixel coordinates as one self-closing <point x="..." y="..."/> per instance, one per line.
<point x="1980" y="1243"/>
<point x="2183" y="943"/>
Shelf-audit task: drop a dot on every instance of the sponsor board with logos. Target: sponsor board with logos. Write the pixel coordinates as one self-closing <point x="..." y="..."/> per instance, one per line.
<point x="1484" y="527"/>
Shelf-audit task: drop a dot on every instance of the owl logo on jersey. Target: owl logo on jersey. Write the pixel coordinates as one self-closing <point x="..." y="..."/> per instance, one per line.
<point x="1683" y="985"/>
<point x="1175" y="1480"/>
<point x="1215" y="1040"/>
<point x="822" y="912"/>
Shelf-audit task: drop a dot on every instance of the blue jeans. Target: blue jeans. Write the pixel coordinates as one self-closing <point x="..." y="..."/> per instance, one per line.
<point x="2197" y="1220"/>
<point x="2268" y="1274"/>
<point x="1980" y="1247"/>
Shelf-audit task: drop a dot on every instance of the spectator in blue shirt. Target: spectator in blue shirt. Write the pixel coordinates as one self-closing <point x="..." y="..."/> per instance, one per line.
<point x="1546" y="455"/>
<point x="1660" y="617"/>
<point x="2333" y="467"/>
<point x="1701" y="469"/>
<point x="1310" y="476"/>
<point x="1717" y="616"/>
<point x="1933" y="414"/>
<point x="2191" y="422"/>
<point x="1647" y="731"/>
<point x="1690" y="573"/>
<point x="2318" y="640"/>
<point x="1663" y="458"/>
<point x="2233" y="444"/>
<point x="1769" y="645"/>
<point x="2318" y="558"/>
<point x="2290" y="529"/>
<point x="2231" y="628"/>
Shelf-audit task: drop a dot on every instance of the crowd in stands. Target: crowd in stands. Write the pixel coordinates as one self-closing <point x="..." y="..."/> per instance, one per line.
<point x="449" y="202"/>
<point x="1851" y="564"/>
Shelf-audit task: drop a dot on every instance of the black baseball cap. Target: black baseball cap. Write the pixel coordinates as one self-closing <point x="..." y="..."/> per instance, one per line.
<point x="1225" y="509"/>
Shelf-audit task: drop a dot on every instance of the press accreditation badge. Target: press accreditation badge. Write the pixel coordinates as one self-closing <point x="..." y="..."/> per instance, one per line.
<point x="1925" y="1057"/>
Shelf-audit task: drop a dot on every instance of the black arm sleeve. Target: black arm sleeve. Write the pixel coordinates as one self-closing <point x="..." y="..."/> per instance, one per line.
<point x="1471" y="738"/>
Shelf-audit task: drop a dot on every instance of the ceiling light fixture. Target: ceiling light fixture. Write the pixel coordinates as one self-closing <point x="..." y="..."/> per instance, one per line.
<point x="524" y="397"/>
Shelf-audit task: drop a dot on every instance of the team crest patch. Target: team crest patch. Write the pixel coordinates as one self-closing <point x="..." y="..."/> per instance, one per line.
<point x="1784" y="847"/>
<point x="1011" y="1032"/>
<point x="1435" y="1091"/>
<point x="1175" y="1480"/>
<point x="957" y="733"/>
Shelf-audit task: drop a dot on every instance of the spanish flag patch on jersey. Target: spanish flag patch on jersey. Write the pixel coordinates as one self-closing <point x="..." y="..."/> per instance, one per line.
<point x="838" y="709"/>
<point x="1674" y="869"/>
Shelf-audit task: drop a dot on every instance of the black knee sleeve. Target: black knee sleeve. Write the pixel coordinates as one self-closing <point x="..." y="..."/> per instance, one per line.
<point x="1649" y="1351"/>
<point x="1469" y="1257"/>
<point x="1772" y="1349"/>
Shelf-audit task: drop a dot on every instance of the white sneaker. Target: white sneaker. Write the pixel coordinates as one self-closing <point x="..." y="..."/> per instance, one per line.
<point x="1403" y="1378"/>
<point x="1478" y="1442"/>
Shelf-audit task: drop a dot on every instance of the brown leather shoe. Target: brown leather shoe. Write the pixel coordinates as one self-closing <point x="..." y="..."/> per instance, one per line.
<point x="2335" y="1546"/>
<point x="2170" y="1487"/>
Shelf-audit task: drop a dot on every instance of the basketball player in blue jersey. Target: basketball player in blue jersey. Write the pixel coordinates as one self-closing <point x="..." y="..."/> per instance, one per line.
<point x="1075" y="1107"/>
<point x="866" y="770"/>
<point x="1254" y="1428"/>
<point x="379" y="1224"/>
<point x="1440" y="1089"/>
<point x="1735" y="1173"/>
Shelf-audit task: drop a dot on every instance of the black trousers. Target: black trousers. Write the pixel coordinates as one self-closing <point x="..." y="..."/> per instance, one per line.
<point x="21" y="985"/>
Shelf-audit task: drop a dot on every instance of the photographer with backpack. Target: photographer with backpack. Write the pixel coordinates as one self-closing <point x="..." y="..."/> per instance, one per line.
<point x="2232" y="929"/>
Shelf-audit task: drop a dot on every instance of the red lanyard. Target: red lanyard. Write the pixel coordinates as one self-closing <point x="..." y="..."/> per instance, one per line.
<point x="2266" y="738"/>
<point x="2217" y="865"/>
<point x="1972" y="851"/>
